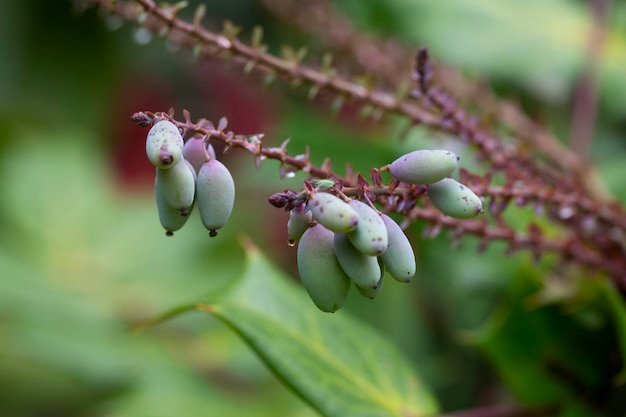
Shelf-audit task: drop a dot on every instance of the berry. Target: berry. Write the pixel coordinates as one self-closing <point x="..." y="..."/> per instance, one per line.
<point x="454" y="199"/>
<point x="177" y="186"/>
<point x="321" y="275"/>
<point x="215" y="190"/>
<point x="399" y="258"/>
<point x="299" y="220"/>
<point x="194" y="152"/>
<point x="172" y="219"/>
<point x="370" y="236"/>
<point x="362" y="269"/>
<point x="164" y="145"/>
<point x="372" y="293"/>
<point x="332" y="212"/>
<point x="424" y="166"/>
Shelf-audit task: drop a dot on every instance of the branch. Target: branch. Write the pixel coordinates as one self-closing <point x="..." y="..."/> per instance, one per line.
<point x="570" y="250"/>
<point x="600" y="248"/>
<point x="387" y="60"/>
<point x="501" y="157"/>
<point x="402" y="198"/>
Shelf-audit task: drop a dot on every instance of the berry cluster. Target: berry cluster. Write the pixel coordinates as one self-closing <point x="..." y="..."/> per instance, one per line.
<point x="188" y="173"/>
<point x="344" y="240"/>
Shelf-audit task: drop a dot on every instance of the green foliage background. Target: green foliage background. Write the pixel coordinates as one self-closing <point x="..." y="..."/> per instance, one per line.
<point x="83" y="258"/>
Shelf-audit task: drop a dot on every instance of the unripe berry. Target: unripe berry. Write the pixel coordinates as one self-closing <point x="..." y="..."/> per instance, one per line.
<point x="164" y="145"/>
<point x="370" y="236"/>
<point x="399" y="258"/>
<point x="215" y="191"/>
<point x="372" y="293"/>
<point x="194" y="152"/>
<point x="320" y="272"/>
<point x="177" y="186"/>
<point x="362" y="269"/>
<point x="170" y="218"/>
<point x="299" y="220"/>
<point x="332" y="212"/>
<point x="454" y="199"/>
<point x="424" y="166"/>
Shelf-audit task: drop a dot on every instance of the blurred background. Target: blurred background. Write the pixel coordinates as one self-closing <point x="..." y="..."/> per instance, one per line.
<point x="83" y="257"/>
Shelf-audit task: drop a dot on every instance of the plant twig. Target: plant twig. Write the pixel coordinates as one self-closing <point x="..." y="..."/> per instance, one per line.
<point x="387" y="59"/>
<point x="600" y="248"/>
<point x="499" y="155"/>
<point x="569" y="249"/>
<point x="402" y="198"/>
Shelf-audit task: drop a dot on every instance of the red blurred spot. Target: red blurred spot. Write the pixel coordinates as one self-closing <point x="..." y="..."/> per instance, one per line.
<point x="130" y="166"/>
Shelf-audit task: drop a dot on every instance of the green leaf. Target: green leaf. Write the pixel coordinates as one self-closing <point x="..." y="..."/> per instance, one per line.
<point x="69" y="290"/>
<point x="549" y="354"/>
<point x="335" y="363"/>
<point x="617" y="307"/>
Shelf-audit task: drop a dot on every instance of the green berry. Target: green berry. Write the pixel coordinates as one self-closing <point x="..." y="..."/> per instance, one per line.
<point x="194" y="152"/>
<point x="332" y="212"/>
<point x="177" y="186"/>
<point x="399" y="258"/>
<point x="370" y="236"/>
<point x="215" y="191"/>
<point x="362" y="269"/>
<point x="299" y="220"/>
<point x="320" y="272"/>
<point x="372" y="293"/>
<point x="171" y="219"/>
<point x="424" y="166"/>
<point x="454" y="199"/>
<point x="164" y="145"/>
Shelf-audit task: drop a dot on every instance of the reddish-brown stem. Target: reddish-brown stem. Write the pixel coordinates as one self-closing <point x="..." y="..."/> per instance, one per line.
<point x="544" y="195"/>
<point x="386" y="59"/>
<point x="569" y="249"/>
<point x="572" y="249"/>
<point x="490" y="149"/>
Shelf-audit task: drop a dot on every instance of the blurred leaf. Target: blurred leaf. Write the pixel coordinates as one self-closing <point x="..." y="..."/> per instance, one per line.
<point x="618" y="312"/>
<point x="537" y="45"/>
<point x="548" y="354"/>
<point x="70" y="289"/>
<point x="338" y="365"/>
